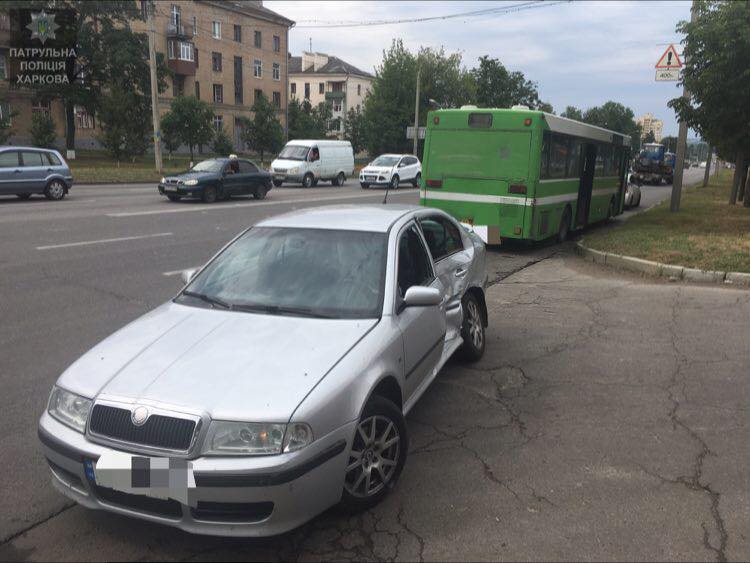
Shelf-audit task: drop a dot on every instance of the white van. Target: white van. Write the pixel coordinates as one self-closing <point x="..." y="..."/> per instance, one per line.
<point x="308" y="161"/>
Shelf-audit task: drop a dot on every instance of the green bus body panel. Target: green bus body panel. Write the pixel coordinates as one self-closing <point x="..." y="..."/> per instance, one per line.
<point x="486" y="161"/>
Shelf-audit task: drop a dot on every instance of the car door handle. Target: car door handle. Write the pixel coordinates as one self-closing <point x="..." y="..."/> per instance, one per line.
<point x="461" y="272"/>
<point x="49" y="169"/>
<point x="16" y="172"/>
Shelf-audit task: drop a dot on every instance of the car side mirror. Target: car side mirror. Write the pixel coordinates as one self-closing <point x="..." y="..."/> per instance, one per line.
<point x="421" y="296"/>
<point x="188" y="275"/>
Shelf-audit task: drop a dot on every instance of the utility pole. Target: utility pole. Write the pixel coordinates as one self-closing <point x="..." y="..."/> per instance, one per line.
<point x="674" y="204"/>
<point x="416" y="115"/>
<point x="708" y="165"/>
<point x="154" y="85"/>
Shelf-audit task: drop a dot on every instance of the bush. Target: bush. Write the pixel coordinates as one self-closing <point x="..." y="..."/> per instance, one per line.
<point x="42" y="131"/>
<point x="223" y="145"/>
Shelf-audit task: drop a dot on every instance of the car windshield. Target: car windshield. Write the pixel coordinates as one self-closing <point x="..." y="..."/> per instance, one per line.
<point x="385" y="161"/>
<point x="208" y="166"/>
<point x="292" y="152"/>
<point x="305" y="272"/>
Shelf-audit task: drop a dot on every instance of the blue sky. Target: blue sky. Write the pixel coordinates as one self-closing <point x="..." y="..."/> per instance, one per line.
<point x="581" y="53"/>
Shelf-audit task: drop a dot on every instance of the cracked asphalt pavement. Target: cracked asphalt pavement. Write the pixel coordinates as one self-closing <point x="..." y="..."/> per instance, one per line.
<point x="608" y="419"/>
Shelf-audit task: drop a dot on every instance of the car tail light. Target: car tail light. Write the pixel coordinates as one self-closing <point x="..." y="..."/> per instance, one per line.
<point x="517" y="189"/>
<point x="434" y="183"/>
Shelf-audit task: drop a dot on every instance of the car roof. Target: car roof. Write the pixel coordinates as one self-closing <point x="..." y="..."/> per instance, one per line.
<point x="17" y="148"/>
<point x="371" y="218"/>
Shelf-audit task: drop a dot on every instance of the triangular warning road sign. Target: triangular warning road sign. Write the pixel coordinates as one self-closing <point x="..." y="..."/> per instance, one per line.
<point x="670" y="59"/>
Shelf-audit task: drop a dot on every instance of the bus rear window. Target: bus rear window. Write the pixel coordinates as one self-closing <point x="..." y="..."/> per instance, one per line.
<point x="480" y="120"/>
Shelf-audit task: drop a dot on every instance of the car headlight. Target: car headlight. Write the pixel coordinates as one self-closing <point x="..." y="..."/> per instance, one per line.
<point x="293" y="170"/>
<point x="255" y="438"/>
<point x="163" y="180"/>
<point x="192" y="182"/>
<point x="69" y="408"/>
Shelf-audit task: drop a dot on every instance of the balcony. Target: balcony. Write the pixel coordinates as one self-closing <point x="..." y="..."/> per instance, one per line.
<point x="330" y="96"/>
<point x="179" y="31"/>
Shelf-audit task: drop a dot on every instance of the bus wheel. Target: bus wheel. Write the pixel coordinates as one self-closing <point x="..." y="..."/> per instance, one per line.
<point x="564" y="229"/>
<point x="611" y="210"/>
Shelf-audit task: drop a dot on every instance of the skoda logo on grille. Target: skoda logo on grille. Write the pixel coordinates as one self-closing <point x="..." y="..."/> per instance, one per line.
<point x="139" y="416"/>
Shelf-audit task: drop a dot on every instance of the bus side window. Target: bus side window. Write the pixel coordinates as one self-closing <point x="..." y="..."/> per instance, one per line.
<point x="558" y="156"/>
<point x="543" y="168"/>
<point x="599" y="165"/>
<point x="574" y="162"/>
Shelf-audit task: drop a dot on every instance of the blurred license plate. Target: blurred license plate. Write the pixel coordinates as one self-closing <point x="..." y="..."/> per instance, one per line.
<point x="170" y="188"/>
<point x="158" y="477"/>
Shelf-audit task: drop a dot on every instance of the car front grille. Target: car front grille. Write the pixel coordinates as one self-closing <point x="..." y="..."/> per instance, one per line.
<point x="169" y="508"/>
<point x="164" y="432"/>
<point x="280" y="170"/>
<point x="371" y="178"/>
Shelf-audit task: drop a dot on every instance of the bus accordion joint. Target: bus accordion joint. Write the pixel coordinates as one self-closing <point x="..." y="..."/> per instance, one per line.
<point x="434" y="183"/>
<point x="517" y="189"/>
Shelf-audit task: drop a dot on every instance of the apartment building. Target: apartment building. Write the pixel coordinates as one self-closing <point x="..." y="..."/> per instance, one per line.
<point x="223" y="52"/>
<point x="649" y="124"/>
<point x="321" y="78"/>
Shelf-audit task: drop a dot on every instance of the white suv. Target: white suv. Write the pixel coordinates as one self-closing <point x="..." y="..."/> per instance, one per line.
<point x="391" y="170"/>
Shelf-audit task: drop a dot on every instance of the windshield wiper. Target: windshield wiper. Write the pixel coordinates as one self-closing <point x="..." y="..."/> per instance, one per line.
<point x="208" y="299"/>
<point x="280" y="310"/>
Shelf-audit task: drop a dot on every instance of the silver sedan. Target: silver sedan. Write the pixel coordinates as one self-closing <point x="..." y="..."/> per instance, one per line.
<point x="275" y="384"/>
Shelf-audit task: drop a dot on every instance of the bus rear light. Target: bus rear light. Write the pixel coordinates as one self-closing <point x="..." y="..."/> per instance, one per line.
<point x="517" y="189"/>
<point x="436" y="120"/>
<point x="518" y="230"/>
<point x="434" y="183"/>
<point x="527" y="121"/>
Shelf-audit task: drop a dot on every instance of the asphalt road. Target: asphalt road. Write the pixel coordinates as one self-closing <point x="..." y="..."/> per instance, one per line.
<point x="608" y="419"/>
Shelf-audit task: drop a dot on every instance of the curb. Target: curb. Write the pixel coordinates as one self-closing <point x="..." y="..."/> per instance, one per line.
<point x="670" y="271"/>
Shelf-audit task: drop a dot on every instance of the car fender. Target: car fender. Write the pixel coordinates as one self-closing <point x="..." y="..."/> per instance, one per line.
<point x="341" y="395"/>
<point x="60" y="177"/>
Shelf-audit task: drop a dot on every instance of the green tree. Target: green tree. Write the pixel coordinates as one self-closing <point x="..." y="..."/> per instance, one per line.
<point x="5" y="128"/>
<point x="192" y="122"/>
<point x="264" y="132"/>
<point x="306" y="122"/>
<point x="649" y="137"/>
<point x="222" y="144"/>
<point x="354" y="130"/>
<point x="572" y="112"/>
<point x="717" y="46"/>
<point x="124" y="118"/>
<point x="108" y="53"/>
<point x="42" y="130"/>
<point x="616" y="117"/>
<point x="498" y="88"/>
<point x="170" y="133"/>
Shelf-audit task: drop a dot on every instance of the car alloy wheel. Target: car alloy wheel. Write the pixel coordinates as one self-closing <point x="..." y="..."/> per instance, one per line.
<point x="260" y="192"/>
<point x="209" y="194"/>
<point x="417" y="178"/>
<point x="55" y="190"/>
<point x="394" y="182"/>
<point x="340" y="179"/>
<point x="373" y="458"/>
<point x="472" y="329"/>
<point x="307" y="181"/>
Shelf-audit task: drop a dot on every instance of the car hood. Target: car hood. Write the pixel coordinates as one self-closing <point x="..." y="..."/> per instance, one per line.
<point x="231" y="365"/>
<point x="193" y="175"/>
<point x="286" y="164"/>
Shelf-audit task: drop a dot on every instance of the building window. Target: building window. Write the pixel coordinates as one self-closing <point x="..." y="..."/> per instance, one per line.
<point x="5" y="113"/>
<point x="197" y="90"/>
<point x="276" y="71"/>
<point x="176" y="16"/>
<point x="238" y="80"/>
<point x="337" y="105"/>
<point x="277" y="100"/>
<point x="216" y="29"/>
<point x="84" y="120"/>
<point x="195" y="25"/>
<point x="337" y="87"/>
<point x="321" y="87"/>
<point x="186" y="51"/>
<point x="216" y="61"/>
<point x="178" y="85"/>
<point x="238" y="33"/>
<point x="170" y="49"/>
<point x="258" y="94"/>
<point x="195" y="55"/>
<point x="257" y="39"/>
<point x="219" y="123"/>
<point x="307" y="90"/>
<point x="294" y="88"/>
<point x="40" y="107"/>
<point x="276" y="43"/>
<point x="218" y="94"/>
<point x="359" y="89"/>
<point x="3" y="68"/>
<point x="258" y="68"/>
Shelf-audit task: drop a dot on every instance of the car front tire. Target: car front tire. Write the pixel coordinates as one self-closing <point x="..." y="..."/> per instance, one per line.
<point x="472" y="329"/>
<point x="416" y="180"/>
<point x="277" y="183"/>
<point x="308" y="181"/>
<point x="377" y="455"/>
<point x="394" y="182"/>
<point x="55" y="190"/>
<point x="209" y="194"/>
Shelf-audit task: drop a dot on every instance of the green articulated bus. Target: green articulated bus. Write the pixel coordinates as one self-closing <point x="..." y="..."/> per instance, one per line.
<point x="522" y="174"/>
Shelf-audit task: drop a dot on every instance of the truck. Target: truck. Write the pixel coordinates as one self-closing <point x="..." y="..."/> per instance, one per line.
<point x="653" y="164"/>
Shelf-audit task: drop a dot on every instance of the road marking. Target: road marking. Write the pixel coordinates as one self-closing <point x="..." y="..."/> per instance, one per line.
<point x="213" y="207"/>
<point x="101" y="241"/>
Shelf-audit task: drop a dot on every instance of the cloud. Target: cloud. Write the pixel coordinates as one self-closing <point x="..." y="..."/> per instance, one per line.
<point x="580" y="53"/>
